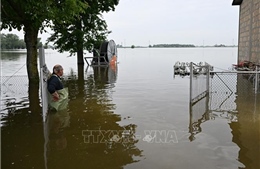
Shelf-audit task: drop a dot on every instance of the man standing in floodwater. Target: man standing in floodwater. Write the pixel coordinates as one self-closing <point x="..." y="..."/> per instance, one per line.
<point x="54" y="83"/>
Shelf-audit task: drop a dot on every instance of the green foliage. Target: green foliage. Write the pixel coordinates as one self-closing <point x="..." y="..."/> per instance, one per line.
<point x="133" y="46"/>
<point x="33" y="16"/>
<point x="11" y="41"/>
<point x="221" y="45"/>
<point x="86" y="31"/>
<point x="37" y="14"/>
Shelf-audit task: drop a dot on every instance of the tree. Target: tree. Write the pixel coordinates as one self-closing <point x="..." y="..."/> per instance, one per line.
<point x="33" y="16"/>
<point x="86" y="31"/>
<point x="22" y="44"/>
<point x="11" y="41"/>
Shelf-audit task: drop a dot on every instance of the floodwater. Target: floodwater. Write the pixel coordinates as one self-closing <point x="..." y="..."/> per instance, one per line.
<point x="134" y="116"/>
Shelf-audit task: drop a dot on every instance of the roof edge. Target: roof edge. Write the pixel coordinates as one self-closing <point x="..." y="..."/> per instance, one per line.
<point x="237" y="2"/>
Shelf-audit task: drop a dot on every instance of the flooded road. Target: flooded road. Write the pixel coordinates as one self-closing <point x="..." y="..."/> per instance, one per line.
<point x="134" y="116"/>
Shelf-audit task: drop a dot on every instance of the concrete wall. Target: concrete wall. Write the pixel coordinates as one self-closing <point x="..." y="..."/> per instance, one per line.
<point x="249" y="31"/>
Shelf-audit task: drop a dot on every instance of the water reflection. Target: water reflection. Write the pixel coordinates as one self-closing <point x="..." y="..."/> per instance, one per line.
<point x="17" y="94"/>
<point x="57" y="122"/>
<point x="88" y="135"/>
<point x="21" y="126"/>
<point x="95" y="102"/>
<point x="21" y="140"/>
<point x="246" y="130"/>
<point x="242" y="112"/>
<point x="199" y="113"/>
<point x="11" y="55"/>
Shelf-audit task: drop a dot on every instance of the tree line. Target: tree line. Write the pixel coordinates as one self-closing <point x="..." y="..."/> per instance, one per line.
<point x="172" y="46"/>
<point x="12" y="41"/>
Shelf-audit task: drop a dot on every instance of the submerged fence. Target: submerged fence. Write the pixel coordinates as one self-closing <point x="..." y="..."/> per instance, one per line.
<point x="14" y="93"/>
<point x="15" y="89"/>
<point x="12" y="86"/>
<point x="199" y="81"/>
<point x="225" y="86"/>
<point x="220" y="86"/>
<point x="219" y="98"/>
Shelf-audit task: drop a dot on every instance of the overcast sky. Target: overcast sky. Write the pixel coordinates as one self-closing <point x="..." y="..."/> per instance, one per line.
<point x="144" y="22"/>
<point x="138" y="22"/>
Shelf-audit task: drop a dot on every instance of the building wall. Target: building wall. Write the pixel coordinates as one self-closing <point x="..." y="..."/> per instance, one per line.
<point x="249" y="31"/>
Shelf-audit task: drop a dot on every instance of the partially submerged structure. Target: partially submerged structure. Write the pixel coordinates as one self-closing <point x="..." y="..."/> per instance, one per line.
<point x="249" y="30"/>
<point x="106" y="55"/>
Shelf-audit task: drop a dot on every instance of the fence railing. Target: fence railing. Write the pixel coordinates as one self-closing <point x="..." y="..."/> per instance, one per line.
<point x="14" y="86"/>
<point x="199" y="81"/>
<point x="221" y="100"/>
<point x="14" y="91"/>
<point x="225" y="86"/>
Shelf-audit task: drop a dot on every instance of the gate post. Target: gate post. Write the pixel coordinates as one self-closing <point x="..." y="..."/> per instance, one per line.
<point x="43" y="83"/>
<point x="256" y="79"/>
<point x="191" y="76"/>
<point x="207" y="82"/>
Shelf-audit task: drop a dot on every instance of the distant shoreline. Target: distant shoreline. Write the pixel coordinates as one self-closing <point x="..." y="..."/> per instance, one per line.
<point x="127" y="47"/>
<point x="13" y="51"/>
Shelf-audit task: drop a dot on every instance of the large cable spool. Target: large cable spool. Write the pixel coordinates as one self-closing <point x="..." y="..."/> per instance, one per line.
<point x="108" y="50"/>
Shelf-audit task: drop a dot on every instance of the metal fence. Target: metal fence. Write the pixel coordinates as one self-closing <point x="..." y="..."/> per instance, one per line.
<point x="224" y="87"/>
<point x="14" y="92"/>
<point x="12" y="86"/>
<point x="199" y="81"/>
<point x="223" y="90"/>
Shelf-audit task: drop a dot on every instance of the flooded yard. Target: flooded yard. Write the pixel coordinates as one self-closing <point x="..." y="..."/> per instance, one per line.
<point x="135" y="116"/>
